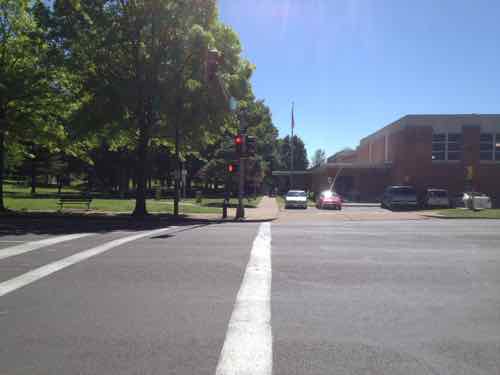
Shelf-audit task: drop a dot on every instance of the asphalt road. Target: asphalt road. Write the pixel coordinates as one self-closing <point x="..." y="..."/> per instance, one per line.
<point x="347" y="297"/>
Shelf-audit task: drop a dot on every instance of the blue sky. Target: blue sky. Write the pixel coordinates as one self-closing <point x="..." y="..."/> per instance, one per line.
<point x="353" y="66"/>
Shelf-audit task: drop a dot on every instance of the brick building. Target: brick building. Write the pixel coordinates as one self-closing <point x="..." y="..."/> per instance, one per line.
<point x="454" y="152"/>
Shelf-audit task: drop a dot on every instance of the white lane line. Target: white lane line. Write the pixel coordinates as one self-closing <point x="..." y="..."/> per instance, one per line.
<point x="248" y="347"/>
<point x="38" y="273"/>
<point x="34" y="245"/>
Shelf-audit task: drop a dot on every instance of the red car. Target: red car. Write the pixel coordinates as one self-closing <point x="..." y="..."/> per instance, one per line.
<point x="328" y="199"/>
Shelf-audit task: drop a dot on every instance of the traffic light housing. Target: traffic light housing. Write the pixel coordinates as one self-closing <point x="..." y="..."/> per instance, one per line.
<point x="239" y="143"/>
<point x="251" y="145"/>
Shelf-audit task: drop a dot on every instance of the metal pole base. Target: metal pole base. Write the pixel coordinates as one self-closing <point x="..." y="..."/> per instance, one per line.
<point x="240" y="212"/>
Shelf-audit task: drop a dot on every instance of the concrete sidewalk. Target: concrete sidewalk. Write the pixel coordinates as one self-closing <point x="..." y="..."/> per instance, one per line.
<point x="266" y="210"/>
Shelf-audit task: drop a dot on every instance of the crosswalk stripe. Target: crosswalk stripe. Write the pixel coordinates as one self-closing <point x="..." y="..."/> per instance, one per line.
<point x="41" y="272"/>
<point x="248" y="346"/>
<point x="35" y="245"/>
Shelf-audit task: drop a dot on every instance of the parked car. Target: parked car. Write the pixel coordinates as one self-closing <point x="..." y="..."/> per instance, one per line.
<point x="483" y="202"/>
<point x="436" y="198"/>
<point x="399" y="197"/>
<point x="296" y="199"/>
<point x="329" y="199"/>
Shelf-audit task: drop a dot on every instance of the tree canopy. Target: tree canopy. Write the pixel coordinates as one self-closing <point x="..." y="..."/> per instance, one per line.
<point x="114" y="90"/>
<point x="36" y="94"/>
<point x="318" y="158"/>
<point x="300" y="160"/>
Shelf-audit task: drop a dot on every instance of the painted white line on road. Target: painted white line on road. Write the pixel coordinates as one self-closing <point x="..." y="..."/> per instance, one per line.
<point x="41" y="272"/>
<point x="248" y="347"/>
<point x="35" y="245"/>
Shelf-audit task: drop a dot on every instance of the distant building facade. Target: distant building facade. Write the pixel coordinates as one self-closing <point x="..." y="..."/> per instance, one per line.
<point x="454" y="152"/>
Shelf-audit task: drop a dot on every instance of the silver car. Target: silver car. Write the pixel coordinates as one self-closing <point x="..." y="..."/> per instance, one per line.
<point x="296" y="199"/>
<point x="436" y="198"/>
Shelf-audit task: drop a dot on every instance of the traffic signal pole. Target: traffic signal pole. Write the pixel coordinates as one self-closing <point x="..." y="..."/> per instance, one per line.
<point x="240" y="211"/>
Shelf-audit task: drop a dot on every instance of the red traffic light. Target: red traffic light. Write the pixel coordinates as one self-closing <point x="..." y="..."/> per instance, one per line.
<point x="238" y="140"/>
<point x="232" y="168"/>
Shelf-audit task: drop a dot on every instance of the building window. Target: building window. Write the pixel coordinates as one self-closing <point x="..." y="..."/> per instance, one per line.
<point x="454" y="146"/>
<point x="439" y="147"/>
<point x="447" y="146"/>
<point x="486" y="150"/>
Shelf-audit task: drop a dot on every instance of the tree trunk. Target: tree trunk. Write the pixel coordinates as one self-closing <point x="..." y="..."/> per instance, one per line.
<point x="2" y="151"/>
<point x="177" y="171"/>
<point x="142" y="153"/>
<point x="33" y="172"/>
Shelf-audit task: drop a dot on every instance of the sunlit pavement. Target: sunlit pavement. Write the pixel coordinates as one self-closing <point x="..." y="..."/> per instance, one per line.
<point x="346" y="297"/>
<point x="346" y="214"/>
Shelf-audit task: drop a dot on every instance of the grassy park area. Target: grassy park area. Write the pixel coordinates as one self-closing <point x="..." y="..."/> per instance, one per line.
<point x="18" y="198"/>
<point x="462" y="213"/>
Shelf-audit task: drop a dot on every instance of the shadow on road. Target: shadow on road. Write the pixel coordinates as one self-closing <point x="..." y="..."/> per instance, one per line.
<point x="67" y="223"/>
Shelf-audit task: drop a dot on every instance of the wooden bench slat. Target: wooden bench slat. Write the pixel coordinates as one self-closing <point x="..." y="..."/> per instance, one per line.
<point x="73" y="200"/>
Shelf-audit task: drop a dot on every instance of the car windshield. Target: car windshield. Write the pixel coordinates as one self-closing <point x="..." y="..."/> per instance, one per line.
<point x="296" y="194"/>
<point x="404" y="191"/>
<point x="328" y="194"/>
<point x="438" y="194"/>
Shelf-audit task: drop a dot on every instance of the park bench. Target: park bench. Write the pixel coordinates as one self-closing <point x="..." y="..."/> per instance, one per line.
<point x="72" y="200"/>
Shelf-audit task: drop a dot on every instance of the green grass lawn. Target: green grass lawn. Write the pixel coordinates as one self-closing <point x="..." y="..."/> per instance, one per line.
<point x="461" y="213"/>
<point x="105" y="205"/>
<point x="18" y="198"/>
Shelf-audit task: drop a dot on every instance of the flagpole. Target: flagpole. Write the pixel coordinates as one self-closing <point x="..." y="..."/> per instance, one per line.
<point x="291" y="149"/>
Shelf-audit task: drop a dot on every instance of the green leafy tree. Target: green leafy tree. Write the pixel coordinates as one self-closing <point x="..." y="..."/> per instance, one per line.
<point x="319" y="158"/>
<point x="35" y="93"/>
<point x="300" y="161"/>
<point x="144" y="65"/>
<point x="262" y="128"/>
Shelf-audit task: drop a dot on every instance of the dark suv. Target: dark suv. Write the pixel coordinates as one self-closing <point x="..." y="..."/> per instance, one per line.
<point x="399" y="197"/>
